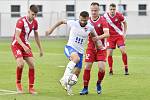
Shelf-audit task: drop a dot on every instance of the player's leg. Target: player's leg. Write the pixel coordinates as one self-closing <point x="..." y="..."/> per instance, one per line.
<point x="89" y="59"/>
<point x="101" y="74"/>
<point x="121" y="45"/>
<point x="74" y="58"/>
<point x="111" y="45"/>
<point x="19" y="70"/>
<point x="20" y="64"/>
<point x="101" y="58"/>
<point x="76" y="71"/>
<point x="78" y="66"/>
<point x="31" y="74"/>
<point x="110" y="60"/>
<point x="124" y="59"/>
<point x="86" y="78"/>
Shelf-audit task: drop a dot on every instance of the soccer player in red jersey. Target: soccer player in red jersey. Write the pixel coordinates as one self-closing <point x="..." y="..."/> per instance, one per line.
<point x="21" y="48"/>
<point x="94" y="54"/>
<point x="117" y="36"/>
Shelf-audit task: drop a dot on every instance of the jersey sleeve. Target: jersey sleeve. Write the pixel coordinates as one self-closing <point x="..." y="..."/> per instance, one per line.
<point x="104" y="24"/>
<point x="19" y="25"/>
<point x="121" y="17"/>
<point x="36" y="26"/>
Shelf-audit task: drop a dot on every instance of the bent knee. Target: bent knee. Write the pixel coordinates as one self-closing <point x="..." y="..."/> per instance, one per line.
<point x="75" y="58"/>
<point x="20" y="62"/>
<point x="88" y="66"/>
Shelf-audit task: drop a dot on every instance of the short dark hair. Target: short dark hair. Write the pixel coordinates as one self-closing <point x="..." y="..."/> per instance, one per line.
<point x="112" y="5"/>
<point x="34" y="8"/>
<point x="84" y="14"/>
<point x="94" y="3"/>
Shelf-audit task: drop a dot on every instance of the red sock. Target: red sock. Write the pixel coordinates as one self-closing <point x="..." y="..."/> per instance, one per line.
<point x="110" y="62"/>
<point x="19" y="74"/>
<point x="31" y="77"/>
<point x="125" y="59"/>
<point x="101" y="75"/>
<point x="86" y="77"/>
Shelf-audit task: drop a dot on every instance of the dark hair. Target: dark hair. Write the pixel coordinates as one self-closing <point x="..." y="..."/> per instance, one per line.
<point x="112" y="5"/>
<point x="94" y="3"/>
<point x="84" y="14"/>
<point x="34" y="8"/>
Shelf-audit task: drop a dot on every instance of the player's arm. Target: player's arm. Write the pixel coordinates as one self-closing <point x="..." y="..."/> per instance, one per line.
<point x="37" y="39"/>
<point x="123" y="21"/>
<point x="125" y="27"/>
<point x="105" y="35"/>
<point x="17" y="37"/>
<point x="51" y="29"/>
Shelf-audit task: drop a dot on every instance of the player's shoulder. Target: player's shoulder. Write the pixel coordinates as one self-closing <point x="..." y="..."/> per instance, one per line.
<point x="71" y="21"/>
<point x="89" y="25"/>
<point x="119" y="14"/>
<point x="20" y="20"/>
<point x="89" y="22"/>
<point x="102" y="19"/>
<point x="35" y="20"/>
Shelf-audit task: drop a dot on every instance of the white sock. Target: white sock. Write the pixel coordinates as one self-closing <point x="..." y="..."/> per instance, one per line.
<point x="68" y="71"/>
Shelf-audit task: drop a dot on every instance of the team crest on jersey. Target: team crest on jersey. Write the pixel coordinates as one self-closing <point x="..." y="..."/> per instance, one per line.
<point x="99" y="25"/>
<point x="116" y="19"/>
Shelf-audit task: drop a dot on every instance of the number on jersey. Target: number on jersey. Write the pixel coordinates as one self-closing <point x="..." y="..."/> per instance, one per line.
<point x="79" y="40"/>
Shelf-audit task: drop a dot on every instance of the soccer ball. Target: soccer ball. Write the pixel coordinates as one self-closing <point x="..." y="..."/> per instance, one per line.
<point x="72" y="79"/>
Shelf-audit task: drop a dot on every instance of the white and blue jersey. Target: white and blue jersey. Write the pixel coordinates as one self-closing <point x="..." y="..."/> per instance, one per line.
<point x="77" y="38"/>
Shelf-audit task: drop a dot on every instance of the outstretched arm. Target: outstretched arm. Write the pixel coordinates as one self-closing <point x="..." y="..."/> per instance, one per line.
<point x="50" y="30"/>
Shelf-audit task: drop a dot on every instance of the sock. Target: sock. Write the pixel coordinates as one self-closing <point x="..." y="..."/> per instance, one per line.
<point x="86" y="78"/>
<point x="19" y="74"/>
<point x="68" y="71"/>
<point x="31" y="77"/>
<point x="101" y="75"/>
<point x="125" y="59"/>
<point x="110" y="62"/>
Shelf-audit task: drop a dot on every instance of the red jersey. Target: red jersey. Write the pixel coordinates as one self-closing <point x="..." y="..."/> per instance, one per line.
<point x="99" y="25"/>
<point x="25" y="27"/>
<point x="117" y="20"/>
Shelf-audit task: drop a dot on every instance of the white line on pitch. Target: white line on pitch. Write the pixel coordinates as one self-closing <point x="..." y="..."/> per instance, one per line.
<point x="61" y="66"/>
<point x="1" y="90"/>
<point x="8" y="93"/>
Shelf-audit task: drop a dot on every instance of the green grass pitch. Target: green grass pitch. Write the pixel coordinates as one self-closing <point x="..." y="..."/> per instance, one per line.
<point x="49" y="70"/>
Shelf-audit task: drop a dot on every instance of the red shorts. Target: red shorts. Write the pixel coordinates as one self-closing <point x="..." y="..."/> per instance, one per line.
<point x="95" y="55"/>
<point x="18" y="51"/>
<point x="113" y="41"/>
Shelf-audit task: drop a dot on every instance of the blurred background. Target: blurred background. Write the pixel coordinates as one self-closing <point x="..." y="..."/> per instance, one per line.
<point x="137" y="13"/>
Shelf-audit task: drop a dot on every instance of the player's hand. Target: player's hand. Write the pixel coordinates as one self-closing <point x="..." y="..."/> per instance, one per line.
<point x="26" y="49"/>
<point x="41" y="53"/>
<point x="95" y="38"/>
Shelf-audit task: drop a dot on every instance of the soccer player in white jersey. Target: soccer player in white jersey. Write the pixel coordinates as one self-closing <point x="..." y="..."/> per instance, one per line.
<point x="21" y="48"/>
<point x="74" y="49"/>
